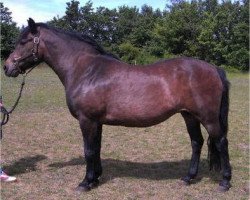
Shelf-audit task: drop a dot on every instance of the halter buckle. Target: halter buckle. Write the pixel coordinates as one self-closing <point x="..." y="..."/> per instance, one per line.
<point x="36" y="40"/>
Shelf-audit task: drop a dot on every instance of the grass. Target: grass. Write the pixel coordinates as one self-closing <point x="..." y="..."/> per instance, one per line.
<point x="42" y="146"/>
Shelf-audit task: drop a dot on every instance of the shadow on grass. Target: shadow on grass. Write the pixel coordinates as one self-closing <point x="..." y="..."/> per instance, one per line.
<point x="24" y="165"/>
<point x="151" y="171"/>
<point x="72" y="162"/>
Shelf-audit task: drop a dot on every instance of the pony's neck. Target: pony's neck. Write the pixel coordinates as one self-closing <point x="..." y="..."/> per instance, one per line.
<point x="60" y="54"/>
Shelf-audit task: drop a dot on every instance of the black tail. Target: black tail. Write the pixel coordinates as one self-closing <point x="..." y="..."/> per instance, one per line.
<point x="224" y="107"/>
<point x="213" y="153"/>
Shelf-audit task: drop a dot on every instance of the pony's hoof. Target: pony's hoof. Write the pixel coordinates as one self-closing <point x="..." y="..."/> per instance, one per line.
<point x="185" y="181"/>
<point x="224" y="186"/>
<point x="85" y="187"/>
<point x="81" y="189"/>
<point x="94" y="184"/>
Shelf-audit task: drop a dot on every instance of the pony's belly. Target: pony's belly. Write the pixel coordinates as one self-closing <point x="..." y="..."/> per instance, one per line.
<point x="137" y="120"/>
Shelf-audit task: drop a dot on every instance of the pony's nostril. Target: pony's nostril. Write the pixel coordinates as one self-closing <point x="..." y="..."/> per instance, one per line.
<point x="4" y="68"/>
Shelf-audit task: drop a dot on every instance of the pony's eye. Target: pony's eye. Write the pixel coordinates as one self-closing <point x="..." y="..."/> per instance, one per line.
<point x="24" y="41"/>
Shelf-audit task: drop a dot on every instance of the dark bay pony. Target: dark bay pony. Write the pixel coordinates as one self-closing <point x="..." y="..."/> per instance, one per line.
<point x="100" y="89"/>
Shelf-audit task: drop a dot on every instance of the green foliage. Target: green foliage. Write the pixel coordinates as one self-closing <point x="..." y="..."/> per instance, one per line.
<point x="9" y="32"/>
<point x="211" y="30"/>
<point x="181" y="27"/>
<point x="126" y="23"/>
<point x="145" y="58"/>
<point x="128" y="52"/>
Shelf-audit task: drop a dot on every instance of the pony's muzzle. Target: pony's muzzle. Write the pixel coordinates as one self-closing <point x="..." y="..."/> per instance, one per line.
<point x="10" y="71"/>
<point x="5" y="68"/>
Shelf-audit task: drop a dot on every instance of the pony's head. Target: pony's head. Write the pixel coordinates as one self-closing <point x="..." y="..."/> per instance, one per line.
<point x="27" y="52"/>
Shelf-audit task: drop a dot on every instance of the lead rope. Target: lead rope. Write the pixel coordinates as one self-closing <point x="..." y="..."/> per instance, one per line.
<point x="5" y="113"/>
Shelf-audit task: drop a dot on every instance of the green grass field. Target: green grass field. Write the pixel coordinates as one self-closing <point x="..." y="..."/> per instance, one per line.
<point x="42" y="147"/>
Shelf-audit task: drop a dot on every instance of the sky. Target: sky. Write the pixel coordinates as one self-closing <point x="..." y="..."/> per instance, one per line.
<point x="45" y="10"/>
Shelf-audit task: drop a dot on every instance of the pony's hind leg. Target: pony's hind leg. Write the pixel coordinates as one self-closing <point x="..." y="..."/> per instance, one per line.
<point x="194" y="130"/>
<point x="218" y="154"/>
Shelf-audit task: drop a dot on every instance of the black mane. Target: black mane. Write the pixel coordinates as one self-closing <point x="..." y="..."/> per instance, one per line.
<point x="78" y="36"/>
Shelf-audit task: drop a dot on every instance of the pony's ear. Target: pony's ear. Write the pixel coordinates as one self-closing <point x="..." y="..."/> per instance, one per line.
<point x="32" y="26"/>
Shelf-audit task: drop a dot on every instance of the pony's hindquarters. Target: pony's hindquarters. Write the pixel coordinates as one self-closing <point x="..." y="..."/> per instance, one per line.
<point x="204" y="93"/>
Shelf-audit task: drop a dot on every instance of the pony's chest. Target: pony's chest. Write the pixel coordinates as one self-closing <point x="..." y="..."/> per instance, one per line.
<point x="88" y="103"/>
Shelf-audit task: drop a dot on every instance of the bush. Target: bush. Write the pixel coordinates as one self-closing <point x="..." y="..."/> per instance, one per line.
<point x="145" y="58"/>
<point x="128" y="52"/>
<point x="230" y="69"/>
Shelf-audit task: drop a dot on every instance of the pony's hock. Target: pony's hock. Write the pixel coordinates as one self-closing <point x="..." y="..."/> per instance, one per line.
<point x="101" y="89"/>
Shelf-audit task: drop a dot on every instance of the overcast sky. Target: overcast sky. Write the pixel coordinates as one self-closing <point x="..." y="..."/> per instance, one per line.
<point x="45" y="10"/>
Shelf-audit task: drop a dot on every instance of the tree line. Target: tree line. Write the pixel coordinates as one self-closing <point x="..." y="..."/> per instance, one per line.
<point x="211" y="30"/>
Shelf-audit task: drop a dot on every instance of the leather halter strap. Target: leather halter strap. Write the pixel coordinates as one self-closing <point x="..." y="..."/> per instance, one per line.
<point x="34" y="54"/>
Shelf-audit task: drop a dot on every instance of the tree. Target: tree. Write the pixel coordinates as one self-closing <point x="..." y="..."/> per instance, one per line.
<point x="9" y="32"/>
<point x="224" y="35"/>
<point x="206" y="38"/>
<point x="128" y="52"/>
<point x="126" y="23"/>
<point x="73" y="15"/>
<point x="238" y="54"/>
<point x="72" y="20"/>
<point x="142" y="32"/>
<point x="212" y="30"/>
<point x="103" y="27"/>
<point x="181" y="27"/>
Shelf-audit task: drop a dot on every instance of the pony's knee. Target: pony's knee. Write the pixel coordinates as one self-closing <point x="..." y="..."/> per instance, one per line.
<point x="89" y="154"/>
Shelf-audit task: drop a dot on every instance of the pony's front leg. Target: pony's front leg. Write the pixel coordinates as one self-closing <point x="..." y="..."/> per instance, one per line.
<point x="92" y="134"/>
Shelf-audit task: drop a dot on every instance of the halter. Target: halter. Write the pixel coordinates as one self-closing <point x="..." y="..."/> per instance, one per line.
<point x="34" y="54"/>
